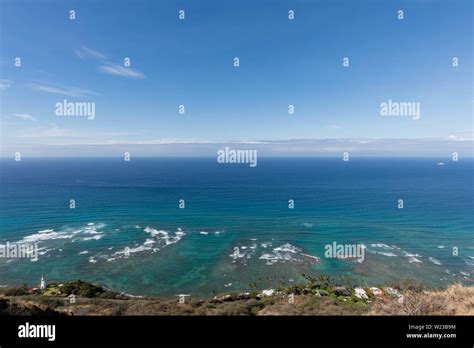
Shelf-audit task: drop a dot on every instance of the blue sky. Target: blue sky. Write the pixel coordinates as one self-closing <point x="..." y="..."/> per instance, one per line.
<point x="190" y="62"/>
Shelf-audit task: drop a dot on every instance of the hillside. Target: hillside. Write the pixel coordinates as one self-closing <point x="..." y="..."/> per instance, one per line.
<point x="318" y="297"/>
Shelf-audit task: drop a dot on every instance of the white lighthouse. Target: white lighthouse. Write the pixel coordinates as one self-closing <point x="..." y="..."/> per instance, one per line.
<point x="42" y="283"/>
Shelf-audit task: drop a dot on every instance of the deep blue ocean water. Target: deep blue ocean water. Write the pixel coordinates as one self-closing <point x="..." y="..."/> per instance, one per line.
<point x="236" y="227"/>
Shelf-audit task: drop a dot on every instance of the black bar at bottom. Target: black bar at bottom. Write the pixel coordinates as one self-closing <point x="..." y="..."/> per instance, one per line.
<point x="343" y="330"/>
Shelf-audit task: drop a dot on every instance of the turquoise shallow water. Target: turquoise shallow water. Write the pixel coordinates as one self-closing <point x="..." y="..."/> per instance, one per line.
<point x="236" y="227"/>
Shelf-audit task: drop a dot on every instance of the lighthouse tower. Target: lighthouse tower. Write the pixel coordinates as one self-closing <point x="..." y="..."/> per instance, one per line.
<point x="42" y="283"/>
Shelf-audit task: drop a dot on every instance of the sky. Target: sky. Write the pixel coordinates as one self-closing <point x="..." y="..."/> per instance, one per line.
<point x="190" y="62"/>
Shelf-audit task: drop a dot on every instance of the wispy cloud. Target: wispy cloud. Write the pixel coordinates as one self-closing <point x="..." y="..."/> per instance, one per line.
<point x="62" y="90"/>
<point x="59" y="142"/>
<point x="118" y="70"/>
<point x="173" y="141"/>
<point x="462" y="136"/>
<point x="55" y="131"/>
<point x="5" y="84"/>
<point x="85" y="52"/>
<point x="25" y="117"/>
<point x="107" y="66"/>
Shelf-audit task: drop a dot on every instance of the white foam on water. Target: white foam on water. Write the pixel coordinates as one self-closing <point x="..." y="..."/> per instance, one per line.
<point x="68" y="233"/>
<point x="137" y="249"/>
<point x="177" y="237"/>
<point x="383" y="252"/>
<point x="160" y="237"/>
<point x="44" y="236"/>
<point x="412" y="257"/>
<point x="91" y="231"/>
<point x="155" y="233"/>
<point x="389" y="254"/>
<point x="311" y="257"/>
<point x="435" y="261"/>
<point x="394" y="251"/>
<point x="204" y="232"/>
<point x="307" y="224"/>
<point x="283" y="253"/>
<point x="47" y="230"/>
<point x="125" y="252"/>
<point x="96" y="237"/>
<point x="44" y="251"/>
<point x="384" y="246"/>
<point x="288" y="247"/>
<point x="270" y="258"/>
<point x="149" y="242"/>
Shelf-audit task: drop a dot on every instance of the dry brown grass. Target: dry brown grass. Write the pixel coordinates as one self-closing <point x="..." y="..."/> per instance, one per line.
<point x="455" y="300"/>
<point x="460" y="299"/>
<point x="312" y="305"/>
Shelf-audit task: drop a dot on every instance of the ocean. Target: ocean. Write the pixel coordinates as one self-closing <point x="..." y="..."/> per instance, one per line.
<point x="169" y="226"/>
